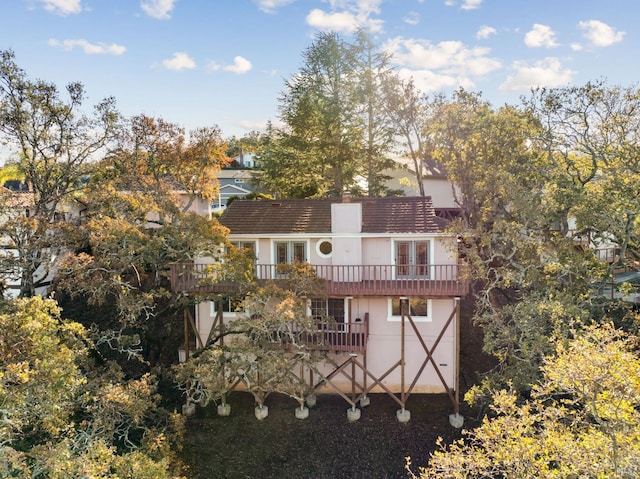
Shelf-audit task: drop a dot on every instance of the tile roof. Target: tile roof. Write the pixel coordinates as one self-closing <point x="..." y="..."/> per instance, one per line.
<point x="16" y="199"/>
<point x="313" y="216"/>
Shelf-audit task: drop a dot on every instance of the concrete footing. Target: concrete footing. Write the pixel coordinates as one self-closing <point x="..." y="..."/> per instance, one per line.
<point x="188" y="409"/>
<point x="261" y="412"/>
<point x="353" y="414"/>
<point x="456" y="420"/>
<point x="403" y="415"/>
<point x="311" y="400"/>
<point x="224" y="409"/>
<point x="302" y="413"/>
<point x="365" y="401"/>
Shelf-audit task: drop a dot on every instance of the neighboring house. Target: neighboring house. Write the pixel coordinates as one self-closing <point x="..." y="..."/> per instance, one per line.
<point x="233" y="183"/>
<point x="245" y="160"/>
<point x="435" y="180"/>
<point x="16" y="202"/>
<point x="383" y="259"/>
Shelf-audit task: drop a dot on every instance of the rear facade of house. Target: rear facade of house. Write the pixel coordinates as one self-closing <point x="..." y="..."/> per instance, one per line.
<point x="392" y="284"/>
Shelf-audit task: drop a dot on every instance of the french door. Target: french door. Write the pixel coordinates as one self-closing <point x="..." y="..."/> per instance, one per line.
<point x="412" y="259"/>
<point x="288" y="252"/>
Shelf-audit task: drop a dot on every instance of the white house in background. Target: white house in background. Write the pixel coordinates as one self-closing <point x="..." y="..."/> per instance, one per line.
<point x="16" y="203"/>
<point x="393" y="285"/>
<point x="245" y="160"/>
<point x="436" y="184"/>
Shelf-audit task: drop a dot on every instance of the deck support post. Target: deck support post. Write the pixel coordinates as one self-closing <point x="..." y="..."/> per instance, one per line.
<point x="364" y="399"/>
<point x="402" y="414"/>
<point x="186" y="334"/>
<point x="455" y="419"/>
<point x="403" y="318"/>
<point x="456" y="304"/>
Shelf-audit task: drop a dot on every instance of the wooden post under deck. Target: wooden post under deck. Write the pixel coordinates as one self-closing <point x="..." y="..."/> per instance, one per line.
<point x="186" y="334"/>
<point x="403" y="306"/>
<point x="456" y="406"/>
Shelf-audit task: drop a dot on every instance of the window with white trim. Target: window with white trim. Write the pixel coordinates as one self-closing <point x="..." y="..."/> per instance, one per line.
<point x="230" y="307"/>
<point x="247" y="246"/>
<point x="287" y="252"/>
<point x="418" y="308"/>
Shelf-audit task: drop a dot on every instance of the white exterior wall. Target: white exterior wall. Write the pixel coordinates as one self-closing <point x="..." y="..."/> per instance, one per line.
<point x="384" y="348"/>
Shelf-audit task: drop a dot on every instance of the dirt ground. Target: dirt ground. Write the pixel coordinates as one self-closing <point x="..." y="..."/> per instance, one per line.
<point x="326" y="445"/>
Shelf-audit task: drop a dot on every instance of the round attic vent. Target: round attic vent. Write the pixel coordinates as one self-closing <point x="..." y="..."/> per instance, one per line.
<point x="324" y="248"/>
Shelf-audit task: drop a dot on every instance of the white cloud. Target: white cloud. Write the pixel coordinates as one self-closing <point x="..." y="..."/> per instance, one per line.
<point x="212" y="66"/>
<point x="159" y="9"/>
<point x="577" y="47"/>
<point x="270" y="6"/>
<point x="347" y="16"/>
<point x="485" y="32"/>
<point x="342" y="22"/>
<point x="600" y="34"/>
<point x="540" y="36"/>
<point x="413" y="18"/>
<point x="179" y="61"/>
<point x="88" y="48"/>
<point x="544" y="73"/>
<point x="240" y="65"/>
<point x="450" y="57"/>
<point x="465" y="4"/>
<point x="62" y="7"/>
<point x="428" y="81"/>
<point x="471" y="4"/>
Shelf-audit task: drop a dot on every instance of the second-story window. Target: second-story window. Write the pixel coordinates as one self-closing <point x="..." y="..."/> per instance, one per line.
<point x="246" y="246"/>
<point x="412" y="258"/>
<point x="288" y="252"/>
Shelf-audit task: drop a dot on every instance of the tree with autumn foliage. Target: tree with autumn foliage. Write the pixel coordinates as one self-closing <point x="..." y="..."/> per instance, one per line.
<point x="64" y="414"/>
<point x="582" y="420"/>
<point x="144" y="209"/>
<point x="265" y="349"/>
<point x="54" y="143"/>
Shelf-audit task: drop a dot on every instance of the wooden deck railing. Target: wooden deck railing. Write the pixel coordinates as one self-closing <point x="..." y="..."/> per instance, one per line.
<point x="362" y="280"/>
<point x="332" y="336"/>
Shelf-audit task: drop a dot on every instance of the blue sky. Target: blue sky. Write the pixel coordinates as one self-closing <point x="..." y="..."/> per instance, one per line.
<point x="223" y="62"/>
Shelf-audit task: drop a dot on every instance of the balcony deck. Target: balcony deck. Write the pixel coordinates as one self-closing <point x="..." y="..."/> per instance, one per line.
<point x="344" y="280"/>
<point x="332" y="336"/>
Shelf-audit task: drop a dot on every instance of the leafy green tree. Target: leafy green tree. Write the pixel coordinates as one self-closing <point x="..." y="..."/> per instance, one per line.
<point x="409" y="112"/>
<point x="379" y="132"/>
<point x="287" y="169"/>
<point x="337" y="133"/>
<point x="319" y="105"/>
<point x="590" y="136"/>
<point x="249" y="143"/>
<point x="583" y="419"/>
<point x="531" y="283"/>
